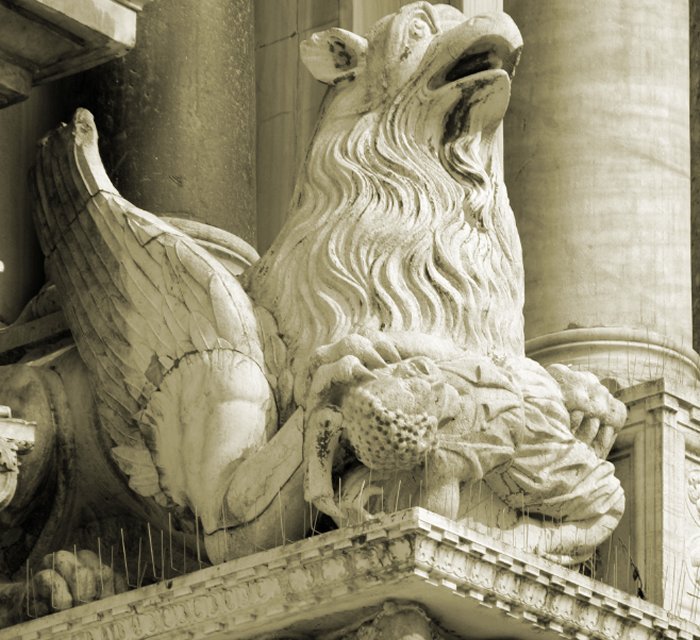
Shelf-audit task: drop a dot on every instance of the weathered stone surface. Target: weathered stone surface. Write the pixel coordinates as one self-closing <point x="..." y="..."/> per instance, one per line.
<point x="330" y="585"/>
<point x="16" y="438"/>
<point x="389" y="365"/>
<point x="656" y="456"/>
<point x="393" y="622"/>
<point x="694" y="9"/>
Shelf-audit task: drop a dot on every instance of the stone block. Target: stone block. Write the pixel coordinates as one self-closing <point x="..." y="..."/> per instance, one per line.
<point x="274" y="21"/>
<point x="42" y="40"/>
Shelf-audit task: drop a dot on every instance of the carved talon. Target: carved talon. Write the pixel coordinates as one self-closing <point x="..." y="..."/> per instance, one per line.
<point x="347" y="361"/>
<point x="352" y="514"/>
<point x="348" y="511"/>
<point x="354" y="344"/>
<point x="345" y="371"/>
<point x="383" y="345"/>
<point x="596" y="416"/>
<point x="356" y="494"/>
<point x="326" y="504"/>
<point x="68" y="579"/>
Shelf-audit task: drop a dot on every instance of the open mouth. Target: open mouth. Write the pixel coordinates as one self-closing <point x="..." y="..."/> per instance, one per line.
<point x="478" y="78"/>
<point x="467" y="74"/>
<point x="473" y="62"/>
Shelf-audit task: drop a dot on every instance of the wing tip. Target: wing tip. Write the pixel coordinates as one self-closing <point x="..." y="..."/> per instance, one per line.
<point x="83" y="125"/>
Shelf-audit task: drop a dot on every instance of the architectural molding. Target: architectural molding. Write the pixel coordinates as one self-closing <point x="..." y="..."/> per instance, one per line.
<point x="469" y="582"/>
<point x="629" y="355"/>
<point x="47" y="39"/>
<point x="657" y="458"/>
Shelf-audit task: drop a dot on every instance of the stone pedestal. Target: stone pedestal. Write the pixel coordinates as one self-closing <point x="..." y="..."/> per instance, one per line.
<point x="657" y="458"/>
<point x="177" y="115"/>
<point x="406" y="576"/>
<point x="598" y="174"/>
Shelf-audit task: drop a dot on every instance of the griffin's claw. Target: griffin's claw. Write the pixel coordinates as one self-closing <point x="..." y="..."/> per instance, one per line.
<point x="588" y="430"/>
<point x="388" y="352"/>
<point x="604" y="441"/>
<point x="328" y="506"/>
<point x="347" y="370"/>
<point x="360" y="373"/>
<point x="576" y="420"/>
<point x="371" y="357"/>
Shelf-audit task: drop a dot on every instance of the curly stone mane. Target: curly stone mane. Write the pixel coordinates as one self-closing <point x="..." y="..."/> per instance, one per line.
<point x="386" y="234"/>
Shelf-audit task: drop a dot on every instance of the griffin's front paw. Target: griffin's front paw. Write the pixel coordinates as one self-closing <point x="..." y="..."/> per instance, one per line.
<point x="69" y="579"/>
<point x="348" y="361"/>
<point x="596" y="416"/>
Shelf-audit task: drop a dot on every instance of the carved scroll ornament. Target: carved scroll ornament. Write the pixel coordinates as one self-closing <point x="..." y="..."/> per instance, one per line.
<point x="16" y="438"/>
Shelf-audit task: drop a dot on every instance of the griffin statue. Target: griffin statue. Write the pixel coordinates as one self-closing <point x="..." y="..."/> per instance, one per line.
<point x="372" y="359"/>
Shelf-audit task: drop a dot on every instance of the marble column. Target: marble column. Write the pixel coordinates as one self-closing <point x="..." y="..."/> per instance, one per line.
<point x="177" y="114"/>
<point x="477" y="7"/>
<point x="598" y="171"/>
<point x="695" y="163"/>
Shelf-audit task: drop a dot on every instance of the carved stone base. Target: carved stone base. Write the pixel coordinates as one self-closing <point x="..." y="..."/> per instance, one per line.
<point x="337" y="585"/>
<point x="657" y="458"/>
<point x="396" y="621"/>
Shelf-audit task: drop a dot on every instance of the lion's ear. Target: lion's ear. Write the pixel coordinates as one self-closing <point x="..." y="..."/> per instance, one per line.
<point x="334" y="54"/>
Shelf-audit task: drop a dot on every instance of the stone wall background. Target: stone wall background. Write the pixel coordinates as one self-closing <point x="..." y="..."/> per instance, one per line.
<point x="287" y="101"/>
<point x="176" y="115"/>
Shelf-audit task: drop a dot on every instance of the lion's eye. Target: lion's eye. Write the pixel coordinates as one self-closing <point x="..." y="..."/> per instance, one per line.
<point x="419" y="29"/>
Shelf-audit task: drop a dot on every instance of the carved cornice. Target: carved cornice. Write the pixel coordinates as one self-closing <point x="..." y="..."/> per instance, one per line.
<point x="468" y="583"/>
<point x="47" y="39"/>
<point x="681" y="401"/>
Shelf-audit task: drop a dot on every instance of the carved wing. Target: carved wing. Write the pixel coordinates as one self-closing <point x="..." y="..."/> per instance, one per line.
<point x="139" y="295"/>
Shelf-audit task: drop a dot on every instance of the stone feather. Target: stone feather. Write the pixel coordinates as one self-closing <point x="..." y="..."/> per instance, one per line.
<point x="138" y="294"/>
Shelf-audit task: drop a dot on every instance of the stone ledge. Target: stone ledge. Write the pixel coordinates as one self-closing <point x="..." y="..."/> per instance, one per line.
<point x="471" y="585"/>
<point x="48" y="39"/>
